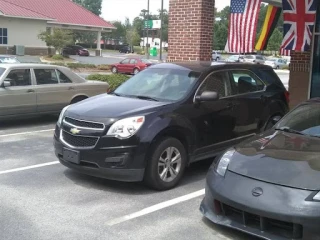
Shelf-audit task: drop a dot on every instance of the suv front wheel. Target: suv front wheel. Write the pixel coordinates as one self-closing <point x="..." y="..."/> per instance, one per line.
<point x="166" y="164"/>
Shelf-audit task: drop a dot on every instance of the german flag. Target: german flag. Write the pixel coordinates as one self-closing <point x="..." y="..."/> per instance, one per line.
<point x="270" y="22"/>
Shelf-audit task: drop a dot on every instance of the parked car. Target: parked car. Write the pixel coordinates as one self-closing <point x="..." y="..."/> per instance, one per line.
<point x="34" y="89"/>
<point x="8" y="59"/>
<point x="216" y="56"/>
<point x="167" y="117"/>
<point x="257" y="59"/>
<point x="268" y="185"/>
<point x="131" y="65"/>
<point x="235" y="58"/>
<point x="126" y="49"/>
<point x="75" y="50"/>
<point x="276" y="63"/>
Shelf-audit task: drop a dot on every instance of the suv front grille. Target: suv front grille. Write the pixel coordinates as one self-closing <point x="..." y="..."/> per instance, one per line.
<point x="84" y="124"/>
<point x="79" y="141"/>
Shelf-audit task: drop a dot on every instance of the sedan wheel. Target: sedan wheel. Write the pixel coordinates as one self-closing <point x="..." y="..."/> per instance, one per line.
<point x="136" y="71"/>
<point x="114" y="70"/>
<point x="165" y="166"/>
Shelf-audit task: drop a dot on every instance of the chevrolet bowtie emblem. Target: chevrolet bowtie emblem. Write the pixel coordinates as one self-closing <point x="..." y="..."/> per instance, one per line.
<point x="75" y="130"/>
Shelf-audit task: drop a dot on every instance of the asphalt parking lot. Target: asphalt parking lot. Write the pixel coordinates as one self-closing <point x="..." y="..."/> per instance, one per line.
<point x="41" y="199"/>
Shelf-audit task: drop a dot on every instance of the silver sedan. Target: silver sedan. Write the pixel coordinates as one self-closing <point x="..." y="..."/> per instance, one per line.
<point x="35" y="89"/>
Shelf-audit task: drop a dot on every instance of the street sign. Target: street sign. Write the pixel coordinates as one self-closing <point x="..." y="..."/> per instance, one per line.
<point x="152" y="24"/>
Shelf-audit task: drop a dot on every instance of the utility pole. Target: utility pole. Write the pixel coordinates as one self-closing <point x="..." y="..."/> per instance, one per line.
<point x="161" y="29"/>
<point x="144" y="31"/>
<point x="147" y="52"/>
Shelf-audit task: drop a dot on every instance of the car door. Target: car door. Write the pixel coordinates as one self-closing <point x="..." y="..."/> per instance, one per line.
<point x="123" y="66"/>
<point x="132" y="65"/>
<point x="250" y="100"/>
<point x="20" y="97"/>
<point x="214" y="120"/>
<point x="49" y="98"/>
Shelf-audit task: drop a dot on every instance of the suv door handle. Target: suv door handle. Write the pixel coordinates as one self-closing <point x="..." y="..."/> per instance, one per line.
<point x="230" y="105"/>
<point x="71" y="88"/>
<point x="30" y="90"/>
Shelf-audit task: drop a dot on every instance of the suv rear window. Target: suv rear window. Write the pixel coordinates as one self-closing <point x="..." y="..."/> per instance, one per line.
<point x="270" y="77"/>
<point x="2" y="71"/>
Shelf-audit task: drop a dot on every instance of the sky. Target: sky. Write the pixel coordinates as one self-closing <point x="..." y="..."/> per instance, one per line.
<point x="113" y="10"/>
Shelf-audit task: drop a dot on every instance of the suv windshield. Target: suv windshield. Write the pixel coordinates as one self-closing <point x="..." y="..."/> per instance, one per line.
<point x="159" y="84"/>
<point x="305" y="119"/>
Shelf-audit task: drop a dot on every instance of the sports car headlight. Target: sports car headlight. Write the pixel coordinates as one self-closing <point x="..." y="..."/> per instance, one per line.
<point x="126" y="128"/>
<point x="224" y="161"/>
<point x="62" y="115"/>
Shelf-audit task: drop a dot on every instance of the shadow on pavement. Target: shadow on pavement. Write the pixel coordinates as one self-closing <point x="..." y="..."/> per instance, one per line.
<point x="28" y="122"/>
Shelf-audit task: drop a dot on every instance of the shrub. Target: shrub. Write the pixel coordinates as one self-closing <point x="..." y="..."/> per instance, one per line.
<point x="114" y="80"/>
<point x="104" y="67"/>
<point x="80" y="65"/>
<point x="57" y="57"/>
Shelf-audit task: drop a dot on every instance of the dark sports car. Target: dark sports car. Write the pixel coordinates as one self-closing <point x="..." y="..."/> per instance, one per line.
<point x="268" y="186"/>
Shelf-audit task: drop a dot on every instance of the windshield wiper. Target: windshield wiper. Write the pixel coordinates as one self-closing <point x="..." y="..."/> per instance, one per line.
<point x="146" y="98"/>
<point x="290" y="130"/>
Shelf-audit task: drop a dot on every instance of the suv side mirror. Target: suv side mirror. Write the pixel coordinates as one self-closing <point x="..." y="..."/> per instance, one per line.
<point x="275" y="119"/>
<point x="6" y="83"/>
<point x="207" y="96"/>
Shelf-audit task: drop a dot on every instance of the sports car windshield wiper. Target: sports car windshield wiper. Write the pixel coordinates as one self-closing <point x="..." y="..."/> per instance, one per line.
<point x="146" y="98"/>
<point x="290" y="130"/>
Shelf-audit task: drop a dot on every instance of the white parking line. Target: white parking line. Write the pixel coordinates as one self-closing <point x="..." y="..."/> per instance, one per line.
<point x="29" y="167"/>
<point x="156" y="207"/>
<point x="26" y="133"/>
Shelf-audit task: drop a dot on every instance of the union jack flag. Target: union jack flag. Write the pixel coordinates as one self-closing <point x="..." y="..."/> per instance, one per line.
<point x="299" y="17"/>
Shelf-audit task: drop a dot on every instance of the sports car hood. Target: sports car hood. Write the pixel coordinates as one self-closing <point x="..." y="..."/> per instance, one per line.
<point x="107" y="106"/>
<point x="281" y="158"/>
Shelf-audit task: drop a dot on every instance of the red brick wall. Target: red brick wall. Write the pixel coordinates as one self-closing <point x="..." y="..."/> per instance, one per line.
<point x="299" y="77"/>
<point x="190" y="30"/>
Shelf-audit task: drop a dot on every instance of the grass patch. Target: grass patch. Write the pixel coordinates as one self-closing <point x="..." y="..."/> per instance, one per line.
<point x="114" y="80"/>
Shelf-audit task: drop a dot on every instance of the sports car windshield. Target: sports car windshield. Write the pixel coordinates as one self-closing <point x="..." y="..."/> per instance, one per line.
<point x="304" y="119"/>
<point x="159" y="84"/>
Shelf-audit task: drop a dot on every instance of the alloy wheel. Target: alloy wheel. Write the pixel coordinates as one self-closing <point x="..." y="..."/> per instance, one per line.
<point x="169" y="164"/>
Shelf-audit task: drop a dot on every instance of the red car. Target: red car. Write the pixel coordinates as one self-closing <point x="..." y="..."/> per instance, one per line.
<point x="130" y="65"/>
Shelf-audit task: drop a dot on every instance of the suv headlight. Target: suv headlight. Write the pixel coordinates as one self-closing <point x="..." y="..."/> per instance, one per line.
<point x="62" y="115"/>
<point x="126" y="128"/>
<point x="224" y="161"/>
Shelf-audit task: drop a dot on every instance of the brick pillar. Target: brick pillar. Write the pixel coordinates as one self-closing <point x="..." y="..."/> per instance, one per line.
<point x="190" y="30"/>
<point x="299" y="78"/>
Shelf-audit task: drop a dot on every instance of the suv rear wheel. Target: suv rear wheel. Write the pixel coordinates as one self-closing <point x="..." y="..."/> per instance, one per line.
<point x="166" y="164"/>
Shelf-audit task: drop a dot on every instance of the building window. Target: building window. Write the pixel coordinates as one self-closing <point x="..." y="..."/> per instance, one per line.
<point x="3" y="36"/>
<point x="315" y="77"/>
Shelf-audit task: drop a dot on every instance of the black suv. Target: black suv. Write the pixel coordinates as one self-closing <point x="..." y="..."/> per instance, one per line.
<point x="126" y="49"/>
<point x="166" y="117"/>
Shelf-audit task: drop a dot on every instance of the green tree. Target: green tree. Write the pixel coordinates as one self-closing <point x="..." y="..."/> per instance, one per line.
<point x="58" y="39"/>
<point x="133" y="37"/>
<point x="275" y="40"/>
<point x="93" y="6"/>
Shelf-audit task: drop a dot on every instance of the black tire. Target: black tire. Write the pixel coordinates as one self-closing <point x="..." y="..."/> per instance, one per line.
<point x="152" y="175"/>
<point x="277" y="67"/>
<point x="78" y="99"/>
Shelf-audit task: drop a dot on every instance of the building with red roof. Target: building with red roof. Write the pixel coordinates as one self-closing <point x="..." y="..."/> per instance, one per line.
<point x="22" y="20"/>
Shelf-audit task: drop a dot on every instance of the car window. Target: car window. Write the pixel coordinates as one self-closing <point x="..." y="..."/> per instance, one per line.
<point x="249" y="57"/>
<point x="8" y="60"/>
<point x="161" y="84"/>
<point x="46" y="76"/>
<point x="217" y="82"/>
<point x="133" y="61"/>
<point x="125" y="61"/>
<point x="305" y="118"/>
<point x="245" y="82"/>
<point x="63" y="78"/>
<point x="19" y="77"/>
<point x="2" y="70"/>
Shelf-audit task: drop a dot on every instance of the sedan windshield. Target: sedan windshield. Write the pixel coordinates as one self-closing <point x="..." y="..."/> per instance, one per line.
<point x="159" y="84"/>
<point x="304" y="119"/>
<point x="8" y="60"/>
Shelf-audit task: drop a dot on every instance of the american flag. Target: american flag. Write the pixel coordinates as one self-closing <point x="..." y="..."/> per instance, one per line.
<point x="243" y="25"/>
<point x="299" y="17"/>
<point x="284" y="52"/>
